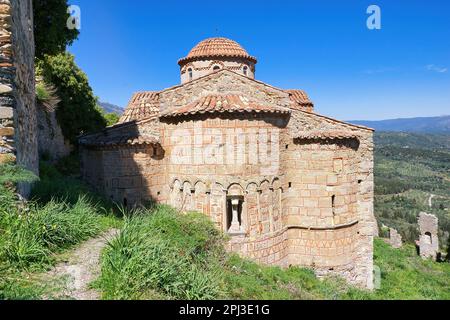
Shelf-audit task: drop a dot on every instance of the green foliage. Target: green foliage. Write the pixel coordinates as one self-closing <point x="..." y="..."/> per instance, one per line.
<point x="110" y="118"/>
<point x="77" y="112"/>
<point x="10" y="173"/>
<point x="42" y="93"/>
<point x="50" y="27"/>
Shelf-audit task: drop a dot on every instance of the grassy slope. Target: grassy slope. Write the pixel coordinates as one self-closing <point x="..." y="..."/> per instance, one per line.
<point x="161" y="254"/>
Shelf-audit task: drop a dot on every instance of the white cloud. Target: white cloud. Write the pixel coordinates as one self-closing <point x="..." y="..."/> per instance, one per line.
<point x="434" y="68"/>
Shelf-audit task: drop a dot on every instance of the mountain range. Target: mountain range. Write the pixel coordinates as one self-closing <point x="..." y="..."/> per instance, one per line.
<point x="111" y="108"/>
<point x="420" y="125"/>
<point x="424" y="125"/>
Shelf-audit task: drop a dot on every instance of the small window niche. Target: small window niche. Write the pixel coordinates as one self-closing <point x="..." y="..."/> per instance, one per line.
<point x="428" y="238"/>
<point x="215" y="68"/>
<point x="245" y="70"/>
<point x="235" y="225"/>
<point x="190" y="74"/>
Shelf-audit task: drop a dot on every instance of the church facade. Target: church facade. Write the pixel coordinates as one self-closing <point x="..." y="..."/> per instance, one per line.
<point x="289" y="186"/>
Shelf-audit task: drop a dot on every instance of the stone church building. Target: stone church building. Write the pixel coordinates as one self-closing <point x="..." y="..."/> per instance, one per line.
<point x="289" y="186"/>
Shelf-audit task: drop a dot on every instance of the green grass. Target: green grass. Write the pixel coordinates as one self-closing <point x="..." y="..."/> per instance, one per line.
<point x="33" y="233"/>
<point x="165" y="254"/>
<point x="161" y="254"/>
<point x="404" y="275"/>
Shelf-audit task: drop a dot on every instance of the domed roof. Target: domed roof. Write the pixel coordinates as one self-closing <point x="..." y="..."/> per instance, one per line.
<point x="218" y="48"/>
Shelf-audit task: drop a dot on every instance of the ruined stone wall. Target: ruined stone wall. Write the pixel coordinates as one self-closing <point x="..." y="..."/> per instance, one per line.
<point x="51" y="141"/>
<point x="18" y="124"/>
<point x="428" y="239"/>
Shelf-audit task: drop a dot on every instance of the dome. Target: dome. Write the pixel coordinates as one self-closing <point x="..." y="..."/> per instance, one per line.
<point x="217" y="48"/>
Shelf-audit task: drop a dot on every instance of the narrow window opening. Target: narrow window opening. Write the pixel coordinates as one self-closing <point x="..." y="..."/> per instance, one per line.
<point x="287" y="147"/>
<point x="290" y="185"/>
<point x="245" y="70"/>
<point x="333" y="205"/>
<point x="216" y="68"/>
<point x="234" y="215"/>
<point x="190" y="73"/>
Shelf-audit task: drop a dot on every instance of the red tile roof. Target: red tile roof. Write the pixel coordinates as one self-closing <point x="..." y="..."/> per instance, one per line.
<point x="142" y="105"/>
<point x="222" y="104"/>
<point x="217" y="47"/>
<point x="300" y="100"/>
<point x="105" y="140"/>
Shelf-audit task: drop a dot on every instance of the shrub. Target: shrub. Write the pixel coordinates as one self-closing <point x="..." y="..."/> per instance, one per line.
<point x="77" y="112"/>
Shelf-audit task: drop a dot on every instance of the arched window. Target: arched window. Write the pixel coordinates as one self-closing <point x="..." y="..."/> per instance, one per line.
<point x="190" y="73"/>
<point x="245" y="70"/>
<point x="216" y="68"/>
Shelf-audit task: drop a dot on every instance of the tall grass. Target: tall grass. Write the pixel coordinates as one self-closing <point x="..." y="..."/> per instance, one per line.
<point x="163" y="253"/>
<point x="32" y="233"/>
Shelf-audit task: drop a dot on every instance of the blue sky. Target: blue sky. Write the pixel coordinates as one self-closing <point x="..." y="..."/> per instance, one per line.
<point x="323" y="47"/>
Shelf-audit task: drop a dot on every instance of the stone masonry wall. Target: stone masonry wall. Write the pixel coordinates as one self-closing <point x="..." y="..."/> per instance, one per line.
<point x="330" y="199"/>
<point x="18" y="124"/>
<point x="51" y="140"/>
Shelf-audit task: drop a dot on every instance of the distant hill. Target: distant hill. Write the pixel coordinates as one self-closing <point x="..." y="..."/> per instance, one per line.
<point x="413" y="140"/>
<point x="427" y="125"/>
<point x="111" y="108"/>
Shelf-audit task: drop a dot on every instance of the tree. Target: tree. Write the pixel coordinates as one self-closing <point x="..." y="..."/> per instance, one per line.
<point x="77" y="112"/>
<point x="111" y="118"/>
<point x="50" y="27"/>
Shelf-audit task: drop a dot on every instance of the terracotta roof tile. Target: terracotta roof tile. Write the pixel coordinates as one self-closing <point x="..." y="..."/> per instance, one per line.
<point x="300" y="100"/>
<point x="105" y="140"/>
<point x="142" y="105"/>
<point x="222" y="104"/>
<point x="217" y="47"/>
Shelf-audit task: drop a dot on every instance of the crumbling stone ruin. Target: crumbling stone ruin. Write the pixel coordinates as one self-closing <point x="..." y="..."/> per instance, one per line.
<point x="18" y="124"/>
<point x="290" y="186"/>
<point x="395" y="239"/>
<point x="428" y="242"/>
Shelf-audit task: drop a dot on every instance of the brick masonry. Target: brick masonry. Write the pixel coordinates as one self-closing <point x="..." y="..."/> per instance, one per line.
<point x="18" y="124"/>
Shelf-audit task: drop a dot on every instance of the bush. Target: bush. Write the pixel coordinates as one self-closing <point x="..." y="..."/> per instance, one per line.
<point x="77" y="112"/>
